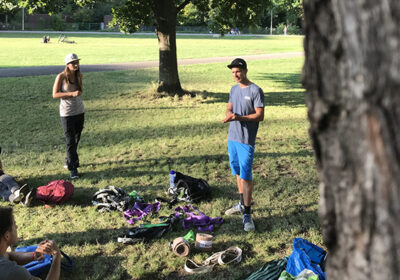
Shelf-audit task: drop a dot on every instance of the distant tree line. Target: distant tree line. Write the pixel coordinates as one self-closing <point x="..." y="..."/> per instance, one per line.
<point x="272" y="17"/>
<point x="61" y="12"/>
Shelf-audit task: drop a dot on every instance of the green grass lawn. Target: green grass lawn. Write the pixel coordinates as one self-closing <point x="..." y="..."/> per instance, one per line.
<point x="25" y="49"/>
<point x="132" y="140"/>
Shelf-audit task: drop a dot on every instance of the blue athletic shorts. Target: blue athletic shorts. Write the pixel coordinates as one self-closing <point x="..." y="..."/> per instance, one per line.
<point x="241" y="159"/>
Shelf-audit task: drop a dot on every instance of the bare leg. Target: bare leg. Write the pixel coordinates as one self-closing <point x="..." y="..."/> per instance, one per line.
<point x="247" y="187"/>
<point x="239" y="184"/>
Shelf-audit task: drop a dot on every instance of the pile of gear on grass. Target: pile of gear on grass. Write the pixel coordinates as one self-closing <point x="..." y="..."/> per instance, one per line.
<point x="305" y="263"/>
<point x="183" y="189"/>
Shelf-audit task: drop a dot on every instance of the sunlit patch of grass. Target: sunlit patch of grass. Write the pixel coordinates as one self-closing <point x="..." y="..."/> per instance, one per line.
<point x="27" y="49"/>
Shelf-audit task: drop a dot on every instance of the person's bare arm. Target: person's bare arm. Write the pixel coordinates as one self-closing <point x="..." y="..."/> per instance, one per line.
<point x="228" y="113"/>
<point x="57" y="89"/>
<point x="55" y="269"/>
<point x="258" y="116"/>
<point x="21" y="258"/>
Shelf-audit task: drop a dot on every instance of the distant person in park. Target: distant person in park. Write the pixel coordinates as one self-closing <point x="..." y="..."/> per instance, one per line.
<point x="244" y="111"/>
<point x="68" y="88"/>
<point x="11" y="191"/>
<point x="11" y="262"/>
<point x="46" y="39"/>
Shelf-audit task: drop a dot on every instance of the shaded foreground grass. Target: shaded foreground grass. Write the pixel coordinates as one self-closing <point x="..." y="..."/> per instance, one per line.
<point x="109" y="48"/>
<point x="132" y="140"/>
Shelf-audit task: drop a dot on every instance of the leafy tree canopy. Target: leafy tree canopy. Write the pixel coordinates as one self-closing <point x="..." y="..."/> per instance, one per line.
<point x="220" y="15"/>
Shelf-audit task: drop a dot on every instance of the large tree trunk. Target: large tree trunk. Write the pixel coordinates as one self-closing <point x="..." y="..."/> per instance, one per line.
<point x="352" y="77"/>
<point x="165" y="13"/>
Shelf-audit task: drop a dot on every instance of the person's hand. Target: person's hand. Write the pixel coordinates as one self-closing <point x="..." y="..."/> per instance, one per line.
<point x="48" y="247"/>
<point x="38" y="255"/>
<point x="54" y="250"/>
<point x="76" y="93"/>
<point x="230" y="117"/>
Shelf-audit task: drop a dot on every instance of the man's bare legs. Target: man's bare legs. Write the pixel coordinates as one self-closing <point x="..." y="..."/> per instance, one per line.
<point x="246" y="188"/>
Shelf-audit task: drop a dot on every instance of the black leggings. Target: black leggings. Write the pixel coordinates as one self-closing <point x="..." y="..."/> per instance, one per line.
<point x="72" y="127"/>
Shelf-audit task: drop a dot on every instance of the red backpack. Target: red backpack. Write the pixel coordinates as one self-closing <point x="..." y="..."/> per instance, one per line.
<point x="55" y="192"/>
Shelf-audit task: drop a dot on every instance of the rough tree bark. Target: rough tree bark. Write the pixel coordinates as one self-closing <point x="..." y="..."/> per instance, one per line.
<point x="165" y="13"/>
<point x="352" y="77"/>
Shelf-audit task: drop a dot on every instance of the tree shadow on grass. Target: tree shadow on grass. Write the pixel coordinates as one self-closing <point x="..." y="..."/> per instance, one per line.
<point x="285" y="80"/>
<point x="209" y="97"/>
<point x="219" y="271"/>
<point x="291" y="99"/>
<point x="97" y="267"/>
<point x="90" y="236"/>
<point x="189" y="160"/>
<point x="285" y="98"/>
<point x="108" y="170"/>
<point x="299" y="222"/>
<point x="135" y="109"/>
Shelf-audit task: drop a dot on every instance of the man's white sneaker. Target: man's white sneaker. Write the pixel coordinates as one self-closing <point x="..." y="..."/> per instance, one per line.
<point x="236" y="209"/>
<point x="248" y="223"/>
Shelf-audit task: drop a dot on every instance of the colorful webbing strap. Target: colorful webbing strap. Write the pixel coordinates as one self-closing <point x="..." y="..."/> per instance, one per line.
<point x="140" y="210"/>
<point x="197" y="218"/>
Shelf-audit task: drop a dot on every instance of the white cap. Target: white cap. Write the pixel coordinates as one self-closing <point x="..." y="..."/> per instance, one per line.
<point x="70" y="57"/>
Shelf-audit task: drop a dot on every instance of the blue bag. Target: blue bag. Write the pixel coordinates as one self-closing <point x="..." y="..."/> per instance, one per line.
<point x="306" y="256"/>
<point x="37" y="268"/>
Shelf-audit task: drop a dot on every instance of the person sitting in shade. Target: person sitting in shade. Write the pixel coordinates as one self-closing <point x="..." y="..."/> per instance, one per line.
<point x="11" y="262"/>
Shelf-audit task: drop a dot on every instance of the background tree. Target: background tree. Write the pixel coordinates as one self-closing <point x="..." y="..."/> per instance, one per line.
<point x="352" y="78"/>
<point x="292" y="10"/>
<point x="280" y="13"/>
<point x="192" y="16"/>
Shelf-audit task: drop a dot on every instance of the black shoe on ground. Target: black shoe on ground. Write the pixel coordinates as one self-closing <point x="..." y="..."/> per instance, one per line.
<point x="74" y="174"/>
<point x="28" y="198"/>
<point x="21" y="193"/>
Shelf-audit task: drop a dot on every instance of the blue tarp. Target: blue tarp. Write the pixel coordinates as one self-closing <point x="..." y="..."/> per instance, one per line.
<point x="306" y="256"/>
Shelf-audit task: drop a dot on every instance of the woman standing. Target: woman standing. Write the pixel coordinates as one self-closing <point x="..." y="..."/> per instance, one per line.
<point x="68" y="88"/>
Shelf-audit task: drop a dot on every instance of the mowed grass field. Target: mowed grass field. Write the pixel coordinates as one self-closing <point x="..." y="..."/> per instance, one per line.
<point x="26" y="49"/>
<point x="132" y="139"/>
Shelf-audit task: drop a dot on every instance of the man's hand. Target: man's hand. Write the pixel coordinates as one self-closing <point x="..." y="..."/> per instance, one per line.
<point x="48" y="247"/>
<point x="229" y="117"/>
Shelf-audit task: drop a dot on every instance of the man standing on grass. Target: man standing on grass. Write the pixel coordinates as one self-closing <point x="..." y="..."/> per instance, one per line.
<point x="244" y="111"/>
<point x="10" y="262"/>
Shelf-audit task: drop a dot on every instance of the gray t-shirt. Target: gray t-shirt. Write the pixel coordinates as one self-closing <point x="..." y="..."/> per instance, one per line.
<point x="10" y="270"/>
<point x="244" y="101"/>
<point x="70" y="106"/>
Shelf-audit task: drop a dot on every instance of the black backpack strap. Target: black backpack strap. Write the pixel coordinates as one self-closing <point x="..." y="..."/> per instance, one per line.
<point x="68" y="264"/>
